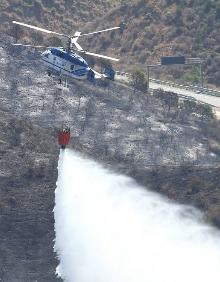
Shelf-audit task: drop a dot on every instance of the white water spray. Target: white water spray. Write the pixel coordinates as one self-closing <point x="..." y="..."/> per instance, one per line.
<point x="108" y="229"/>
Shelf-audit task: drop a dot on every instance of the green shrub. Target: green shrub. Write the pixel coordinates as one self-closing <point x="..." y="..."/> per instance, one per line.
<point x="139" y="81"/>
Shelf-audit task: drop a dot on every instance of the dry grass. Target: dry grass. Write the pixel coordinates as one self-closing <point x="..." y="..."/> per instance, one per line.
<point x="153" y="29"/>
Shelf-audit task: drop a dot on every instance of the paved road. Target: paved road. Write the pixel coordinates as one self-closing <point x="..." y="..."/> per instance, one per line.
<point x="208" y="99"/>
<point x="211" y="100"/>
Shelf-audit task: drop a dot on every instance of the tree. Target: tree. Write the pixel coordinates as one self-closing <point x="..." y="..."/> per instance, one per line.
<point x="16" y="32"/>
<point x="206" y="111"/>
<point x="139" y="81"/>
<point x="189" y="106"/>
<point x="169" y="98"/>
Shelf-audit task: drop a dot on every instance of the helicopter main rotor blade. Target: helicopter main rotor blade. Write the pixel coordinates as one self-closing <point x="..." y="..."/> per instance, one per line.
<point x="28" y="45"/>
<point x="98" y="55"/>
<point x="40" y="29"/>
<point x="99" y="31"/>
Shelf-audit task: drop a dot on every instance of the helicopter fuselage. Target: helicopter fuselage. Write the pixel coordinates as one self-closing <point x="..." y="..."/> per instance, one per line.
<point x="65" y="63"/>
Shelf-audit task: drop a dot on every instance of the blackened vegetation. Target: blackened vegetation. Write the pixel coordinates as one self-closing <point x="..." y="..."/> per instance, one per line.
<point x="164" y="142"/>
<point x="187" y="184"/>
<point x="27" y="180"/>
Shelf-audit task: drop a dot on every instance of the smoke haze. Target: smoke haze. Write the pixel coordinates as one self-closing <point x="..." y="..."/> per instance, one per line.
<point x="108" y="229"/>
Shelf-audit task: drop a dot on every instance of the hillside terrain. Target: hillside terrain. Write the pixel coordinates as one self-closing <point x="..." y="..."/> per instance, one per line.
<point x="27" y="201"/>
<point x="58" y="14"/>
<point x="166" y="28"/>
<point x="152" y="29"/>
<point x="166" y="144"/>
<point x="65" y="15"/>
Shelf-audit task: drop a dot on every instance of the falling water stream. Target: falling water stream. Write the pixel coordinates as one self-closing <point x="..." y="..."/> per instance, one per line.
<point x="109" y="229"/>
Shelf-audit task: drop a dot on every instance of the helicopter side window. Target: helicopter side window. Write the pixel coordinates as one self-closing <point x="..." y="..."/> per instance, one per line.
<point x="60" y="54"/>
<point x="56" y="53"/>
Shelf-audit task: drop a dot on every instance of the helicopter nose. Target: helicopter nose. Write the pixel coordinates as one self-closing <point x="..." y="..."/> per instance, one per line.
<point x="44" y="55"/>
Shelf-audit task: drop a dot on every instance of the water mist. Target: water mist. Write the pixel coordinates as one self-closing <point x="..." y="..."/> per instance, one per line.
<point x="108" y="229"/>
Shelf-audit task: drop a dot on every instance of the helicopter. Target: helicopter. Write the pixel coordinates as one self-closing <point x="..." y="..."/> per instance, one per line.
<point x="66" y="61"/>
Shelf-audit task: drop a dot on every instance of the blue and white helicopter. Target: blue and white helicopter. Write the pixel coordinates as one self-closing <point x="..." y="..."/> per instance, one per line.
<point x="65" y="61"/>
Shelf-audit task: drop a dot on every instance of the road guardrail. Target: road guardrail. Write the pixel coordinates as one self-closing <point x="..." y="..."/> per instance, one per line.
<point x="195" y="88"/>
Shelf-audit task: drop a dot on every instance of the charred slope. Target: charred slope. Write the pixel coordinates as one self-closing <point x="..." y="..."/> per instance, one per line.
<point x="27" y="179"/>
<point x="127" y="130"/>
